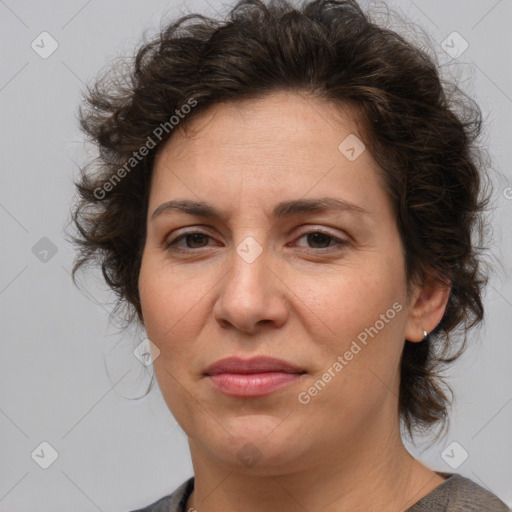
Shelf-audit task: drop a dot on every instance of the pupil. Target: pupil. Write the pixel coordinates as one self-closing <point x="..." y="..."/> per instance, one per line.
<point x="315" y="237"/>
<point x="196" y="237"/>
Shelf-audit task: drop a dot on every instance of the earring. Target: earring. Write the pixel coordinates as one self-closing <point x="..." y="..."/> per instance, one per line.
<point x="425" y="334"/>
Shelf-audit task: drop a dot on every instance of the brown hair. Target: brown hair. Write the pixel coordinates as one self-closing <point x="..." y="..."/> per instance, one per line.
<point x="420" y="129"/>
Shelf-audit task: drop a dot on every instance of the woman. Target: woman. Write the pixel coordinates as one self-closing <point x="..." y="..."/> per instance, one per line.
<point x="290" y="205"/>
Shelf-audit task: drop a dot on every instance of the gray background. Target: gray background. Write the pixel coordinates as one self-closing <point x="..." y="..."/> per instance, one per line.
<point x="67" y="374"/>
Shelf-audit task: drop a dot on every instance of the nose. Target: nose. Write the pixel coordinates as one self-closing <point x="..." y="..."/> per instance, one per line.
<point x="252" y="294"/>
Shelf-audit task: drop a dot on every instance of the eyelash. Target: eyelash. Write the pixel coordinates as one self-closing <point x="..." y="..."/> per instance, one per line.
<point x="340" y="242"/>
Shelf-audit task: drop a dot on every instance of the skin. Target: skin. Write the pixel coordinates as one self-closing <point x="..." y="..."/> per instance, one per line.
<point x="297" y="301"/>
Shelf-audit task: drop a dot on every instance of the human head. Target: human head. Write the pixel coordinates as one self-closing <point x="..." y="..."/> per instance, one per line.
<point x="421" y="138"/>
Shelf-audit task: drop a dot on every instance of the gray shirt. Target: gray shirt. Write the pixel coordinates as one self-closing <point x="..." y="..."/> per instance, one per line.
<point x="455" y="494"/>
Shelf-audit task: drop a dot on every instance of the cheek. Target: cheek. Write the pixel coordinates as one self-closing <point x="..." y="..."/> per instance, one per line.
<point x="169" y="298"/>
<point x="362" y="316"/>
<point x="353" y="300"/>
<point x="170" y="308"/>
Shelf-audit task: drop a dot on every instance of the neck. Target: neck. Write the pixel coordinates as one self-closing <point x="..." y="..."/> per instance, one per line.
<point x="373" y="472"/>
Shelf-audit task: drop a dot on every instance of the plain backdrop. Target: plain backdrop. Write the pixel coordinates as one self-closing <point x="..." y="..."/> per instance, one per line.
<point x="67" y="375"/>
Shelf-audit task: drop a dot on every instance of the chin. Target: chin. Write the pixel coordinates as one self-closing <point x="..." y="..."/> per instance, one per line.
<point x="258" y="444"/>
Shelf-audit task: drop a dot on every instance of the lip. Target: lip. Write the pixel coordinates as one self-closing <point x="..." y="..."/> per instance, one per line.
<point x="253" y="377"/>
<point x="258" y="364"/>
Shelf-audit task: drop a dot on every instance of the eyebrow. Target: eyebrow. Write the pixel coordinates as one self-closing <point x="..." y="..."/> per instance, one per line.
<point x="281" y="210"/>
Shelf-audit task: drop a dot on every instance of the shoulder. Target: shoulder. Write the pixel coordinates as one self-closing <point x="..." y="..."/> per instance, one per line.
<point x="174" y="502"/>
<point x="459" y="494"/>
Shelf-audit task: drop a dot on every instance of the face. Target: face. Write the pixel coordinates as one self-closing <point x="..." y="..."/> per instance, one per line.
<point x="321" y="288"/>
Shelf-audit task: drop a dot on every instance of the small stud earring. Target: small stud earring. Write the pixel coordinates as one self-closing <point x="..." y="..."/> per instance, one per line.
<point x="425" y="334"/>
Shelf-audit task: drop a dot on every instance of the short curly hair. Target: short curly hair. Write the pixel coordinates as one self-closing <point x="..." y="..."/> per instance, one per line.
<point x="420" y="129"/>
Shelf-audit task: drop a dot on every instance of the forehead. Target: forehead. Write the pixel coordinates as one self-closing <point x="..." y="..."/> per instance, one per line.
<point x="283" y="143"/>
<point x="282" y="117"/>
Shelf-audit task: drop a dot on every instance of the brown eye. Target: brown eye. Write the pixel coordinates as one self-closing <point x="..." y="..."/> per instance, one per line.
<point x="319" y="238"/>
<point x="193" y="240"/>
<point x="322" y="241"/>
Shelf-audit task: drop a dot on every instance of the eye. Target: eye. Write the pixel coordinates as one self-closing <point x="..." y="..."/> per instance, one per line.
<point x="198" y="240"/>
<point x="320" y="238"/>
<point x="193" y="237"/>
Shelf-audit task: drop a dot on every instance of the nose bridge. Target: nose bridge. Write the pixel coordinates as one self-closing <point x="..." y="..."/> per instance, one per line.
<point x="249" y="263"/>
<point x="250" y="250"/>
<point x="247" y="297"/>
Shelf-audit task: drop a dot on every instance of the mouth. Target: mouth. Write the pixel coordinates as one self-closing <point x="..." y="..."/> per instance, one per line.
<point x="254" y="377"/>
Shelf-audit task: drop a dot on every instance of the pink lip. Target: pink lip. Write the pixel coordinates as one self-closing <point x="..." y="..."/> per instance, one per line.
<point x="252" y="384"/>
<point x="258" y="364"/>
<point x="257" y="376"/>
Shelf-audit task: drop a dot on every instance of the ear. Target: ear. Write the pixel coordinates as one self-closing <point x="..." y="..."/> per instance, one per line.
<point x="427" y="307"/>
